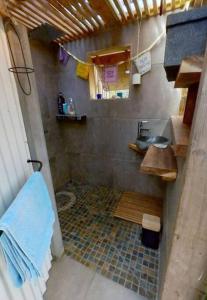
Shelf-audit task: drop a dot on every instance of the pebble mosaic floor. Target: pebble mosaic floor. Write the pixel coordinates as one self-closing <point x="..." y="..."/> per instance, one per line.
<point x="109" y="245"/>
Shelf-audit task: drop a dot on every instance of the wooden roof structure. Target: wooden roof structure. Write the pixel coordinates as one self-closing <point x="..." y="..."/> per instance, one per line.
<point x="79" y="18"/>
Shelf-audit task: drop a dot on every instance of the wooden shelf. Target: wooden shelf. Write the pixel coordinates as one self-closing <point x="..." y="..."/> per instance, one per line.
<point x="181" y="133"/>
<point x="160" y="162"/>
<point x="81" y="118"/>
<point x="189" y="72"/>
<point x="136" y="149"/>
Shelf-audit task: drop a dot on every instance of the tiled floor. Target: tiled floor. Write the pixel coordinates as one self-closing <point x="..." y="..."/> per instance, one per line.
<point x="70" y="280"/>
<point x="108" y="245"/>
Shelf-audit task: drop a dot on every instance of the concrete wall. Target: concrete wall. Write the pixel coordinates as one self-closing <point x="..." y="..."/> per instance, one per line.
<point x="47" y="76"/>
<point x="170" y="211"/>
<point x="98" y="151"/>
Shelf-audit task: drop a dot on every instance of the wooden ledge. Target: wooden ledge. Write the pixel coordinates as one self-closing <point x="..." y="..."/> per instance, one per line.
<point x="189" y="72"/>
<point x="160" y="162"/>
<point x="181" y="133"/>
<point x="136" y="149"/>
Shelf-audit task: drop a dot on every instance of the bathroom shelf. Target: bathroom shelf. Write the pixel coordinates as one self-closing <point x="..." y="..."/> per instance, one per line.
<point x="181" y="133"/>
<point x="80" y="118"/>
<point x="160" y="162"/>
<point x="189" y="72"/>
<point x="136" y="149"/>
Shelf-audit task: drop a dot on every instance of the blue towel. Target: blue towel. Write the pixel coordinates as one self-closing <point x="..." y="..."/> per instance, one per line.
<point x="27" y="228"/>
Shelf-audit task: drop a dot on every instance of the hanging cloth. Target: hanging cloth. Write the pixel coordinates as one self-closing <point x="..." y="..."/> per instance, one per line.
<point x="82" y="70"/>
<point x="63" y="56"/>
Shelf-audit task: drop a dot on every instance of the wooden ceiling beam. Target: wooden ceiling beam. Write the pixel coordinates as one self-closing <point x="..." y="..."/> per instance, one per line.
<point x="129" y="10"/>
<point x="138" y="9"/>
<point x="114" y="10"/>
<point x="155" y="7"/>
<point x="146" y="8"/>
<point x="120" y="9"/>
<point x="55" y="14"/>
<point x="27" y="15"/>
<point x="75" y="30"/>
<point x="60" y="5"/>
<point x="47" y="16"/>
<point x="3" y="9"/>
<point x="75" y="10"/>
<point x="91" y="12"/>
<point x="23" y="20"/>
<point x="84" y="14"/>
<point x="104" y="9"/>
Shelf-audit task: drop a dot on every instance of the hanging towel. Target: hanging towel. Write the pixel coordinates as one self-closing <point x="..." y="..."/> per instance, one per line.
<point x="63" y="56"/>
<point x="27" y="228"/>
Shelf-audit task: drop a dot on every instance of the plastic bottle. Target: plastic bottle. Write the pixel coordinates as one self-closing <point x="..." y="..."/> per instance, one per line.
<point x="61" y="101"/>
<point x="71" y="107"/>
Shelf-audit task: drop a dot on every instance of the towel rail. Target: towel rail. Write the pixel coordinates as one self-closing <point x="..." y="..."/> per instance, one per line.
<point x="36" y="162"/>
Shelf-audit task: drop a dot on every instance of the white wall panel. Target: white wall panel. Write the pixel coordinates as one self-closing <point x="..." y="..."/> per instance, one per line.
<point x="14" y="169"/>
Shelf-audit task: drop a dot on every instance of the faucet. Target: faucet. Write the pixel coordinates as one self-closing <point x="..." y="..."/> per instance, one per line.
<point x="141" y="129"/>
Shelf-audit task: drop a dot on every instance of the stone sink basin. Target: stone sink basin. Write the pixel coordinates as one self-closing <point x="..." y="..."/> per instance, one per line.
<point x="143" y="142"/>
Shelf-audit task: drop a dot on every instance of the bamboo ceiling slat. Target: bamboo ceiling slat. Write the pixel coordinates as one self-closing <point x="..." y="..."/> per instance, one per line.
<point x="120" y="9"/>
<point x="22" y="20"/>
<point x="130" y="13"/>
<point x="67" y="23"/>
<point x="89" y="14"/>
<point x="173" y="4"/>
<point x="138" y="9"/>
<point x="43" y="5"/>
<point x="17" y="8"/>
<point x="155" y="7"/>
<point x="75" y="10"/>
<point x="84" y="14"/>
<point x="104" y="9"/>
<point x="164" y="6"/>
<point x="25" y="17"/>
<point x="114" y="10"/>
<point x="90" y="11"/>
<point x="146" y="8"/>
<point x="60" y="6"/>
<point x="30" y="10"/>
<point x="79" y="18"/>
<point x="50" y="18"/>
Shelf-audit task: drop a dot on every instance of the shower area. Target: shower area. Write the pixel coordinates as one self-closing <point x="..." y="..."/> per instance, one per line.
<point x="91" y="164"/>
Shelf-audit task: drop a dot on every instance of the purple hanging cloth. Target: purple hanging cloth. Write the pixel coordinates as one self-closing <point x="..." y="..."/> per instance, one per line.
<point x="63" y="56"/>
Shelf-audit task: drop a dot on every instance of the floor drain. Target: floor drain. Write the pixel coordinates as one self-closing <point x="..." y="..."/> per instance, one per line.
<point x="65" y="200"/>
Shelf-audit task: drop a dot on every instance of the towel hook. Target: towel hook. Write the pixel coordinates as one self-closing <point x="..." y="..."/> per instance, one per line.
<point x="36" y="162"/>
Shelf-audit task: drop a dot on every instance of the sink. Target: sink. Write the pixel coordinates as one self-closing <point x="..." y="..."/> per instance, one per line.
<point x="143" y="142"/>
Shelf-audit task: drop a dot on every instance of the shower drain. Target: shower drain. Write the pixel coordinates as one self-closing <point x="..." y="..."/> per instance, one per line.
<point x="65" y="200"/>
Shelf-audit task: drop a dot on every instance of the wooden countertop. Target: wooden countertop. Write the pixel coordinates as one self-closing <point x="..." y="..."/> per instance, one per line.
<point x="189" y="72"/>
<point x="160" y="162"/>
<point x="136" y="149"/>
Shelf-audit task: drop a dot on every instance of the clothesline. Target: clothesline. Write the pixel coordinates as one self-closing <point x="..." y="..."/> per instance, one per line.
<point x="131" y="59"/>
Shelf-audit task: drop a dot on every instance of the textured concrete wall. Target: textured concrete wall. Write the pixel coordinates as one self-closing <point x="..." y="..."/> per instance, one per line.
<point x="47" y="76"/>
<point x="170" y="211"/>
<point x="98" y="152"/>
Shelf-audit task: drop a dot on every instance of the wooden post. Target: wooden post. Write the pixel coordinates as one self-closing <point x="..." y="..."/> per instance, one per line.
<point x="188" y="258"/>
<point x="3" y="8"/>
<point x="190" y="103"/>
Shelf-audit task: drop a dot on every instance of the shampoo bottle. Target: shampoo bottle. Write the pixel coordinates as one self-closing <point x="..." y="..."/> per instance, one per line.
<point x="61" y="101"/>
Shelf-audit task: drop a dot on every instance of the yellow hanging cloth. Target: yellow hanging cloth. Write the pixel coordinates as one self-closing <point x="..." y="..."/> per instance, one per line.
<point x="82" y="70"/>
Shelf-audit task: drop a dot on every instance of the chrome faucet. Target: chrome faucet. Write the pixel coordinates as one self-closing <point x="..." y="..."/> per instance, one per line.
<point x="141" y="129"/>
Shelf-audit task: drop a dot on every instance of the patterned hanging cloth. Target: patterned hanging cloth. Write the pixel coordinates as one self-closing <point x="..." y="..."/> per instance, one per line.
<point x="63" y="56"/>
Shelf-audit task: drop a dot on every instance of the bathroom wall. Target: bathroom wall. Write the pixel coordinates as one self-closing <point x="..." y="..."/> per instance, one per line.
<point x="170" y="210"/>
<point x="47" y="76"/>
<point x="97" y="152"/>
